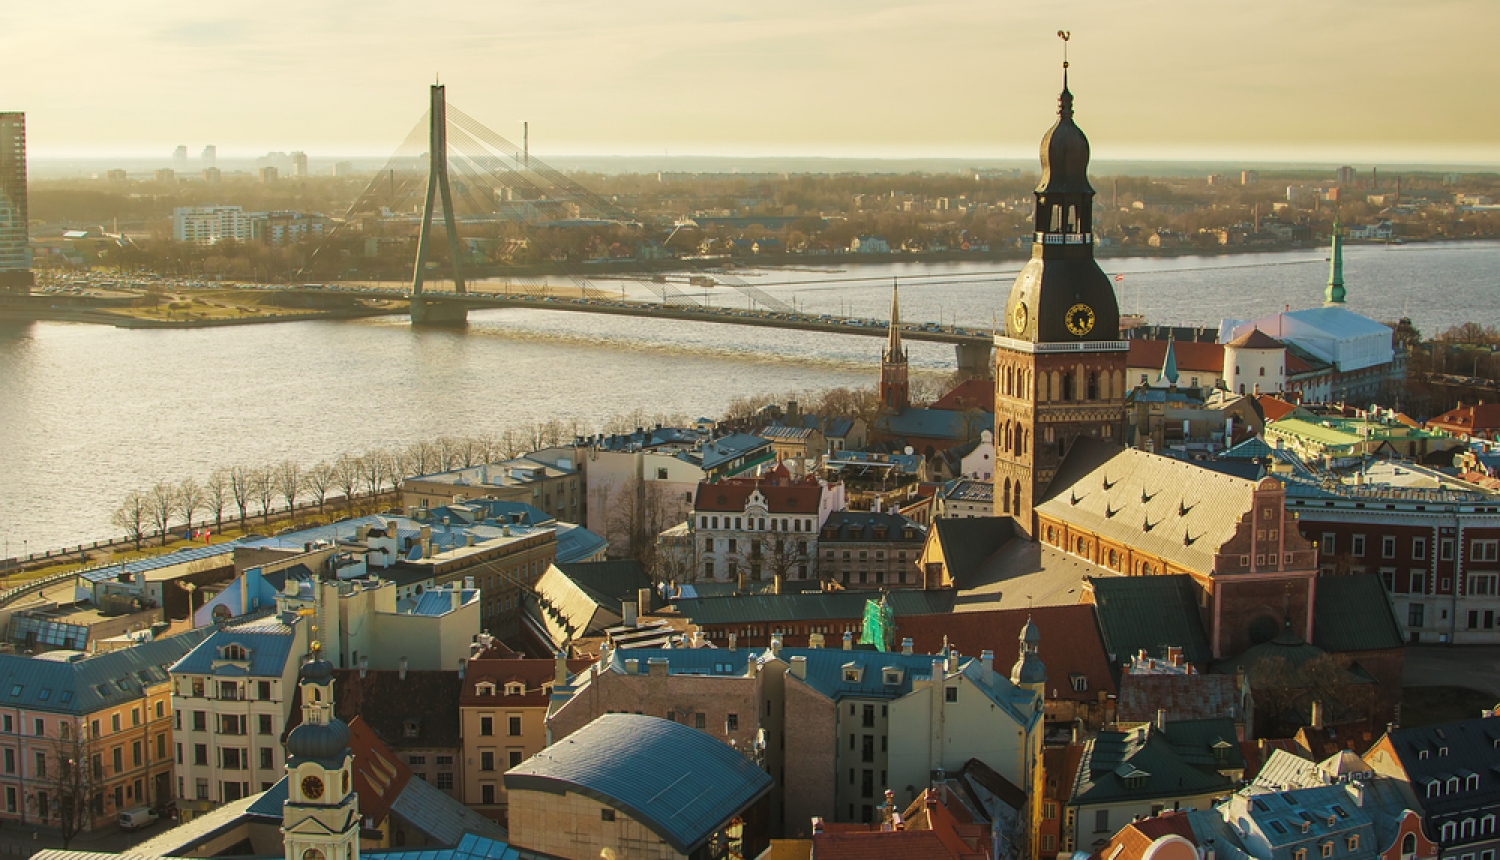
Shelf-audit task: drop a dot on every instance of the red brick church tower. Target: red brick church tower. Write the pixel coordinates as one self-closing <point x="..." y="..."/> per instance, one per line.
<point x="1060" y="362"/>
<point x="895" y="389"/>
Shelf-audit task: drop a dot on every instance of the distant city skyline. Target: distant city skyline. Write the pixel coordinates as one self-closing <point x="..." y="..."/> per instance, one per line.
<point x="1281" y="81"/>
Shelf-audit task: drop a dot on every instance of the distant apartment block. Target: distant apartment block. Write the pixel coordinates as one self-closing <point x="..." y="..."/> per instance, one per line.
<point x="1346" y="175"/>
<point x="116" y="175"/>
<point x="209" y="225"/>
<point x="210" y="158"/>
<point x="299" y="164"/>
<point x="166" y="175"/>
<point x="15" y="251"/>
<point x="268" y="174"/>
<point x="179" y="158"/>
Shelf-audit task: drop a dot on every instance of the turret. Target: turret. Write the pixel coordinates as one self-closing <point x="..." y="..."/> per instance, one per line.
<point x="1029" y="673"/>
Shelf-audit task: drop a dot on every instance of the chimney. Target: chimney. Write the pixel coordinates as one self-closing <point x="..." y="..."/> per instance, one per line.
<point x="1357" y="791"/>
<point x="657" y="667"/>
<point x="732" y="638"/>
<point x="1174" y="656"/>
<point x="697" y="639"/>
<point x="815" y="640"/>
<point x="560" y="670"/>
<point x="628" y="609"/>
<point x="632" y="666"/>
<point x="777" y="583"/>
<point x="817" y="825"/>
<point x="1317" y="714"/>
<point x="469" y="539"/>
<point x="848" y="641"/>
<point x="1161" y="719"/>
<point x="799" y="667"/>
<point x="742" y="583"/>
<point x="643" y="600"/>
<point x="987" y="659"/>
<point x="752" y="666"/>
<point x="776" y="644"/>
<point x="906" y="646"/>
<point x="402" y="671"/>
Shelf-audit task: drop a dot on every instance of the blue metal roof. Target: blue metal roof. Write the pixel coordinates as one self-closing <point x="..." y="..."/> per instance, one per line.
<point x="576" y="543"/>
<point x="269" y="643"/>
<point x="141" y="565"/>
<point x="682" y="784"/>
<point x="86" y="685"/>
<point x="934" y="423"/>
<point x="726" y="449"/>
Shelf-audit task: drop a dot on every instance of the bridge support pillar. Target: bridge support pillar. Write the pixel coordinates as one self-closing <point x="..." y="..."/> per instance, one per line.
<point x="974" y="359"/>
<point x="427" y="310"/>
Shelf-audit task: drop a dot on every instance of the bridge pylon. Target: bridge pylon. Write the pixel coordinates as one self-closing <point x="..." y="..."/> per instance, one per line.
<point x="427" y="310"/>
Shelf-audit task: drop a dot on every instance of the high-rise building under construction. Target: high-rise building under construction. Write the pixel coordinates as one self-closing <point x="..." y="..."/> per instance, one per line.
<point x="15" y="251"/>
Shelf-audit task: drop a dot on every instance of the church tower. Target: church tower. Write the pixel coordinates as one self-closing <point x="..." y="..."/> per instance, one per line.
<point x="895" y="390"/>
<point x="320" y="819"/>
<point x="1060" y="363"/>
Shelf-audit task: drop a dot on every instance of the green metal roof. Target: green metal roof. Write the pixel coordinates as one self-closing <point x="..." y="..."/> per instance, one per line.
<point x="1150" y="613"/>
<point x="1353" y="614"/>
<point x="810" y="606"/>
<point x="1148" y="763"/>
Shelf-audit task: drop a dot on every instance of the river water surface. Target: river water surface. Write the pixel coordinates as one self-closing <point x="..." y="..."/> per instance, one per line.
<point x="88" y="413"/>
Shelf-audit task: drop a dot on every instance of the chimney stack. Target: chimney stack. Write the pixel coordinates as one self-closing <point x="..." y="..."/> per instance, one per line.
<point x="644" y="600"/>
<point x="628" y="608"/>
<point x="1161" y="719"/>
<point x="732" y="638"/>
<point x="848" y="641"/>
<point x="906" y="646"/>
<point x="402" y="671"/>
<point x="777" y="583"/>
<point x="776" y="643"/>
<point x="1317" y="714"/>
<point x="799" y="667"/>
<point x="560" y="670"/>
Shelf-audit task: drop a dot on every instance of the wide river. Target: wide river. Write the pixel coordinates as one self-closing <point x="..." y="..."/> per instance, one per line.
<point x="89" y="413"/>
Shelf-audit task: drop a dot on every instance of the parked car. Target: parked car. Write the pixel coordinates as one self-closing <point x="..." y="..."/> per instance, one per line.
<point x="137" y="818"/>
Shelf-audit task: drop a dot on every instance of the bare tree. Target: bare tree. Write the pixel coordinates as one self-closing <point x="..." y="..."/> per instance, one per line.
<point x="373" y="471"/>
<point x="346" y="475"/>
<point x="74" y="776"/>
<point x="216" y="496"/>
<point x="635" y="514"/>
<point x="161" y="504"/>
<point x="422" y="458"/>
<point x="288" y="476"/>
<point x="190" y="500"/>
<point x="511" y="444"/>
<point x="240" y="481"/>
<point x="319" y="480"/>
<point x="263" y="489"/>
<point x="132" y="516"/>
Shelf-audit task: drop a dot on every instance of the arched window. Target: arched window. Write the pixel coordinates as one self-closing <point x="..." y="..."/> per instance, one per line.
<point x="1262" y="371"/>
<point x="1056" y="226"/>
<point x="1057" y="388"/>
<point x="1093" y="387"/>
<point x="1449" y="831"/>
<point x="1468" y="828"/>
<point x="1408" y="846"/>
<point x="1016" y="502"/>
<point x="1242" y="388"/>
<point x="1073" y="219"/>
<point x="1114" y="560"/>
<point x="1005" y="497"/>
<point x="1081" y="548"/>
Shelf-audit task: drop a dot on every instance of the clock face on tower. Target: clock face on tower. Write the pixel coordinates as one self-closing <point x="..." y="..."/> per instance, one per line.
<point x="1019" y="317"/>
<point x="312" y="787"/>
<point x="1080" y="319"/>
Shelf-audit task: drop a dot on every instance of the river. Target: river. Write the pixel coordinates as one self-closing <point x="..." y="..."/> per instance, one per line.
<point x="89" y="413"/>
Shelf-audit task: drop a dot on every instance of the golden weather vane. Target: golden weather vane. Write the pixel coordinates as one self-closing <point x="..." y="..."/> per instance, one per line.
<point x="1065" y="35"/>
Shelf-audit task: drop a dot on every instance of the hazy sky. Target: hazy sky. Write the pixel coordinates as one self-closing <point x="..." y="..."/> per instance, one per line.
<point x="1360" y="81"/>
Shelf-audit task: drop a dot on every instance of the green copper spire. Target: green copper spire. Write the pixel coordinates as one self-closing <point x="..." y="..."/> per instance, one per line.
<point x="1169" y="365"/>
<point x="1334" y="295"/>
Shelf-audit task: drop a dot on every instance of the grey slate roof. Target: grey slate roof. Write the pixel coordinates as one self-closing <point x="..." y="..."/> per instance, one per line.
<point x="682" y="784"/>
<point x="1176" y="763"/>
<point x="859" y="527"/>
<point x="1191" y="511"/>
<point x="86" y="685"/>
<point x="1150" y="613"/>
<point x="1451" y="750"/>
<point x="968" y="542"/>
<point x="443" y="819"/>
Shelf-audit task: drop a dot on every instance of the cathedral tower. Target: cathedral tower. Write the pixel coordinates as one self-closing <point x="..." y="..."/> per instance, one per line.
<point x="320" y="819"/>
<point x="1060" y="363"/>
<point x="895" y="389"/>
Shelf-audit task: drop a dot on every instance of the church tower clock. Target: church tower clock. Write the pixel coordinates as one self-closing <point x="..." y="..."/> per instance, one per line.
<point x="1060" y="362"/>
<point x="320" y="819"/>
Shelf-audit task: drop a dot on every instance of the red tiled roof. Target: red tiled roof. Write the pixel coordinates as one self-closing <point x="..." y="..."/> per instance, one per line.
<point x="1469" y="419"/>
<point x="969" y="394"/>
<point x="379" y="774"/>
<point x="1134" y="838"/>
<point x="878" y="845"/>
<point x="782" y="496"/>
<point x="1274" y="408"/>
<point x="534" y="673"/>
<point x="1191" y="356"/>
<point x="1256" y="339"/>
<point x="1071" y="643"/>
<point x="1295" y="364"/>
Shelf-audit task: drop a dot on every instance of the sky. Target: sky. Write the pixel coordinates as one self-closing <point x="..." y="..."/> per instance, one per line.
<point x="1349" y="81"/>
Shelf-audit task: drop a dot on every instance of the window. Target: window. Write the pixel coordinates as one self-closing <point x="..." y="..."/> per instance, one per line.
<point x="487" y="793"/>
<point x="950" y="694"/>
<point x="700" y="720"/>
<point x="1101" y="821"/>
<point x="445" y="781"/>
<point x="265" y="724"/>
<point x="200" y="721"/>
<point x="1388" y="546"/>
<point x="1415" y="614"/>
<point x="39" y="726"/>
<point x="263" y="690"/>
<point x="1358" y="547"/>
<point x="1327" y="849"/>
<point x="1484" y="550"/>
<point x="1445" y="549"/>
<point x="732" y="723"/>
<point x="1483" y="584"/>
<point x="1419" y="548"/>
<point x="515" y="757"/>
<point x="267" y="759"/>
<point x="661" y="474"/>
<point x="606" y="815"/>
<point x="867" y="717"/>
<point x="200" y="754"/>
<point x="487" y="726"/>
<point x="1328" y="544"/>
<point x="514" y="725"/>
<point x="487" y="760"/>
<point x="118" y="754"/>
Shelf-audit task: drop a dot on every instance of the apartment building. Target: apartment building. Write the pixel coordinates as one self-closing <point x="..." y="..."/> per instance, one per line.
<point x="555" y="488"/>
<point x="870" y="550"/>
<point x="110" y="710"/>
<point x="763" y="527"/>
<point x="231" y="698"/>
